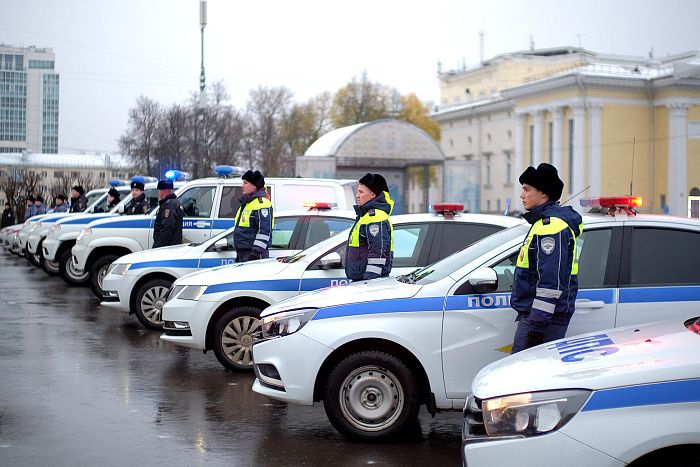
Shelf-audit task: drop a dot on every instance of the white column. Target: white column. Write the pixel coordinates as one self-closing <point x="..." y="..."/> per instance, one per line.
<point x="677" y="159"/>
<point x="538" y="131"/>
<point x="557" y="139"/>
<point x="577" y="184"/>
<point x="594" y="162"/>
<point x="519" y="162"/>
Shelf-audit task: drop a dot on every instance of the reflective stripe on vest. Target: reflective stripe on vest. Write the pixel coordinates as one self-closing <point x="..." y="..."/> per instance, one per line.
<point x="554" y="226"/>
<point x="378" y="217"/>
<point x="243" y="218"/>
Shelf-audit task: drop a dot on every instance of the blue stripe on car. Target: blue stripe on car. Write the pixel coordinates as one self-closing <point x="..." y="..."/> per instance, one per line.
<point x="659" y="294"/>
<point x="669" y="392"/>
<point x="169" y="263"/>
<point x="125" y="224"/>
<point x="84" y="220"/>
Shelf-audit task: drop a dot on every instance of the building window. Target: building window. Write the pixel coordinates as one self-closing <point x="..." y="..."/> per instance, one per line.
<point x="509" y="168"/>
<point x="510" y="134"/>
<point x="488" y="137"/>
<point x="75" y="174"/>
<point x="452" y="143"/>
<point x="469" y="140"/>
<point x="571" y="156"/>
<point x="58" y="174"/>
<point x="487" y="168"/>
<point x="498" y="203"/>
<point x="532" y="144"/>
<point x="551" y="141"/>
<point x="488" y="205"/>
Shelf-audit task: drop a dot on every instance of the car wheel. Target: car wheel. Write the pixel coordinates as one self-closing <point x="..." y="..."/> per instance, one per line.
<point x="49" y="267"/>
<point x="235" y="333"/>
<point x="98" y="271"/>
<point x="149" y="301"/>
<point x="30" y="257"/>
<point x="68" y="272"/>
<point x="371" y="396"/>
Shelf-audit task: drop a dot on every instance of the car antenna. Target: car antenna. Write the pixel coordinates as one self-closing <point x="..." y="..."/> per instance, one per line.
<point x="634" y="141"/>
<point x="574" y="196"/>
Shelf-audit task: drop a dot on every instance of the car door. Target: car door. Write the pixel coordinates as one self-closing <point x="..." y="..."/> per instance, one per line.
<point x="318" y="228"/>
<point x="411" y="249"/>
<point x="452" y="236"/>
<point x="479" y="328"/>
<point x="197" y="203"/>
<point x="660" y="277"/>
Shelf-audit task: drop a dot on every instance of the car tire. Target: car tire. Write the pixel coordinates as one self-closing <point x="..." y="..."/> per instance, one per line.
<point x="235" y="333"/>
<point x="49" y="267"/>
<point x="30" y="257"/>
<point x="69" y="274"/>
<point x="149" y="300"/>
<point x="98" y="271"/>
<point x="371" y="396"/>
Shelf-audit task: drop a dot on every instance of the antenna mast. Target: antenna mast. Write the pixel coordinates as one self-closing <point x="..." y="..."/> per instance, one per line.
<point x="634" y="141"/>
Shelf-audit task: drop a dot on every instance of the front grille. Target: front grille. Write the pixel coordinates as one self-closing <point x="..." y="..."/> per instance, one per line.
<point x="170" y="328"/>
<point x="473" y="419"/>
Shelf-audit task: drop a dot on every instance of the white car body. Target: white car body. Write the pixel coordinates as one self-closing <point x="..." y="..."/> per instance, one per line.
<point x="130" y="272"/>
<point x="216" y="201"/>
<point x="445" y="328"/>
<point x="261" y="283"/>
<point x="640" y="397"/>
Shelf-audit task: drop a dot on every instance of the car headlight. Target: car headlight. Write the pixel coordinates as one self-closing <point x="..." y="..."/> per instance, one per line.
<point x="531" y="413"/>
<point x="118" y="268"/>
<point x="84" y="232"/>
<point x="288" y="322"/>
<point x="36" y="225"/>
<point x="191" y="292"/>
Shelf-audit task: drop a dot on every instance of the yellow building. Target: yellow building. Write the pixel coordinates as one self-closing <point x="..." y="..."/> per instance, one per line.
<point x="611" y="125"/>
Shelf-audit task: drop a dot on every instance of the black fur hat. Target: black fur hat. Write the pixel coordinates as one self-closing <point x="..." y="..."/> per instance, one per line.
<point x="165" y="185"/>
<point x="114" y="193"/>
<point x="545" y="178"/>
<point x="375" y="182"/>
<point x="79" y="189"/>
<point x="30" y="198"/>
<point x="256" y="178"/>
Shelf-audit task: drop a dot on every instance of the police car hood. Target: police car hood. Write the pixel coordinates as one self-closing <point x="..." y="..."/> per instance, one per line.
<point x="251" y="271"/>
<point x="162" y="255"/>
<point x="632" y="355"/>
<point x="386" y="288"/>
<point x="75" y="218"/>
<point x="116" y="221"/>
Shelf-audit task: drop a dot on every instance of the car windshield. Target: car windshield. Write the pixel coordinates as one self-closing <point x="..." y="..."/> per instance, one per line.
<point x="693" y="325"/>
<point x="443" y="268"/>
<point x="323" y="246"/>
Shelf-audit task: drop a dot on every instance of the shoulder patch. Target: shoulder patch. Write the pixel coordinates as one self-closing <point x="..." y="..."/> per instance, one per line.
<point x="265" y="212"/>
<point x="373" y="229"/>
<point x="166" y="212"/>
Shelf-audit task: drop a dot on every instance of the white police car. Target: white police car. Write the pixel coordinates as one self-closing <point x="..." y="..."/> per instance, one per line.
<point x="93" y="199"/>
<point x="61" y="236"/>
<point x="628" y="396"/>
<point x="375" y="351"/>
<point x="219" y="309"/>
<point x="40" y="229"/>
<point x="139" y="282"/>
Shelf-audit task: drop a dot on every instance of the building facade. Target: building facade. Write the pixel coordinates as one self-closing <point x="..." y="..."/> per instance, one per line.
<point x="29" y="97"/>
<point x="612" y="125"/>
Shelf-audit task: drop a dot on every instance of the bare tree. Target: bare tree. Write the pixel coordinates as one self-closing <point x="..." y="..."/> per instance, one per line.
<point x="305" y="123"/>
<point x="139" y="139"/>
<point x="12" y="186"/>
<point x="62" y="185"/>
<point x="266" y="108"/>
<point x="173" y="139"/>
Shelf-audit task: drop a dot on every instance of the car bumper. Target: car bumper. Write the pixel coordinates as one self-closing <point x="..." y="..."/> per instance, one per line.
<point x="33" y="243"/>
<point x="50" y="247"/>
<point x="22" y="240"/>
<point x="117" y="291"/>
<point x="287" y="367"/>
<point x="80" y="256"/>
<point x="196" y="315"/>
<point x="553" y="449"/>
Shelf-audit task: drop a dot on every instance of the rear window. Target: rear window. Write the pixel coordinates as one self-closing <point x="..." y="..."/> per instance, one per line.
<point x="293" y="196"/>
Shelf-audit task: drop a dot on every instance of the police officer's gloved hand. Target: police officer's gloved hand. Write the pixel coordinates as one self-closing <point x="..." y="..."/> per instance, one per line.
<point x="534" y="338"/>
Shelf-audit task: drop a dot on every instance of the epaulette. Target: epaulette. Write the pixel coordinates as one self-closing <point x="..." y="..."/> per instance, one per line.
<point x="370" y="212"/>
<point x="545" y="220"/>
<point x="260" y="200"/>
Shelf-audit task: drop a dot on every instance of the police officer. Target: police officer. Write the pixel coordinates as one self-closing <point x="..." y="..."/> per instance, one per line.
<point x="370" y="250"/>
<point x="113" y="198"/>
<point x="59" y="204"/>
<point x="139" y="205"/>
<point x="29" y="209"/>
<point x="167" y="229"/>
<point x="252" y="234"/>
<point x="78" y="200"/>
<point x="39" y="206"/>
<point x="546" y="273"/>
<point x="8" y="217"/>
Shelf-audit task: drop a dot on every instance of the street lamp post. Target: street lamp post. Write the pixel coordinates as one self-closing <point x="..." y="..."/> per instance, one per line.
<point x="201" y="102"/>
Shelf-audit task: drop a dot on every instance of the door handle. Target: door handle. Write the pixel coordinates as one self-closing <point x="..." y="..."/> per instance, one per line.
<point x="586" y="304"/>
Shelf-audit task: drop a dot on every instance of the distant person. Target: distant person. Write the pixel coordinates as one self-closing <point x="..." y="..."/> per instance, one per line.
<point x="8" y="216"/>
<point x="39" y="206"/>
<point x="59" y="204"/>
<point x="252" y="233"/>
<point x="78" y="201"/>
<point x="113" y="198"/>
<point x="167" y="229"/>
<point x="370" y="250"/>
<point x="545" y="283"/>
<point x="29" y="209"/>
<point x="139" y="204"/>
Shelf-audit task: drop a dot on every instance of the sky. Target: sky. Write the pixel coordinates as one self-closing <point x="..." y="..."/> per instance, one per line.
<point x="110" y="52"/>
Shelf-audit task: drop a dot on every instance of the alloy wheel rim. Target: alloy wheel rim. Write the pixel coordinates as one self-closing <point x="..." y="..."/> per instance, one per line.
<point x="238" y="337"/>
<point x="152" y="304"/>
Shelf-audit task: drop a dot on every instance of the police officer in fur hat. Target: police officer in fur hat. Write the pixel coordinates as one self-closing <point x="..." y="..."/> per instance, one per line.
<point x="370" y="250"/>
<point x="113" y="198"/>
<point x="78" y="201"/>
<point x="167" y="229"/>
<point x="139" y="204"/>
<point x="546" y="274"/>
<point x="254" y="220"/>
<point x="59" y="203"/>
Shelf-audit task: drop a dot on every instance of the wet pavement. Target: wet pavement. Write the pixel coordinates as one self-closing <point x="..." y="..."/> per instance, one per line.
<point x="81" y="384"/>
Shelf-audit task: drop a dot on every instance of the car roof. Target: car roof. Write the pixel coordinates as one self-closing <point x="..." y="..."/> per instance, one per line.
<point x="594" y="218"/>
<point x="490" y="219"/>
<point x="317" y="212"/>
<point x="297" y="180"/>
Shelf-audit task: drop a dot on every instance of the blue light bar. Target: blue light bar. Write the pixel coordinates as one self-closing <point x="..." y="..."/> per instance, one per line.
<point x="228" y="171"/>
<point x="177" y="175"/>
<point x="115" y="183"/>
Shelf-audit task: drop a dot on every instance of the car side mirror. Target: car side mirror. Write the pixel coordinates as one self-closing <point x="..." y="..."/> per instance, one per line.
<point x="221" y="245"/>
<point x="120" y="209"/>
<point x="331" y="261"/>
<point x="484" y="280"/>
